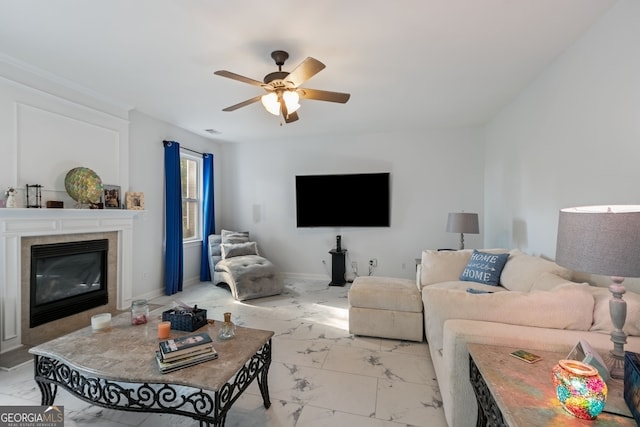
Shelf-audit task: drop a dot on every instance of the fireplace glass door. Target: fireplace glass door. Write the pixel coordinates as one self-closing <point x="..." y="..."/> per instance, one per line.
<point x="67" y="278"/>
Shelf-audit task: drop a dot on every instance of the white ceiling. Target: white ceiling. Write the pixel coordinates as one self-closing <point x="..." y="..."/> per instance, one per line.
<point x="406" y="63"/>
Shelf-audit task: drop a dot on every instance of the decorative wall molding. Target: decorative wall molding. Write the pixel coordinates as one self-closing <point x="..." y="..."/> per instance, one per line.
<point x="50" y="143"/>
<point x="50" y="129"/>
<point x="32" y="77"/>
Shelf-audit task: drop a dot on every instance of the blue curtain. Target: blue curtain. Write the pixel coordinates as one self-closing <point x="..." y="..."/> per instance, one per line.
<point x="173" y="253"/>
<point x="208" y="214"/>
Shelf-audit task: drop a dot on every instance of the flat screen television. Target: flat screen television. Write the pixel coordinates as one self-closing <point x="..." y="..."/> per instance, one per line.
<point x="343" y="200"/>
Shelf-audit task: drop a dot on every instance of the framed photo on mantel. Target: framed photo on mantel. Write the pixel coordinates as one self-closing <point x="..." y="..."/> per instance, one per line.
<point x="111" y="197"/>
<point x="135" y="201"/>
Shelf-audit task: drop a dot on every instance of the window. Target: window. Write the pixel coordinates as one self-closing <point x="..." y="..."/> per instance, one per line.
<point x="191" y="177"/>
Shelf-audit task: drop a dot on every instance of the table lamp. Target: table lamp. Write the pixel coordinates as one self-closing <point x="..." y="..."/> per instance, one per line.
<point x="462" y="222"/>
<point x="603" y="240"/>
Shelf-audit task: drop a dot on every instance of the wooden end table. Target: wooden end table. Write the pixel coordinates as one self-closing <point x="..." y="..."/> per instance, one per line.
<point x="513" y="393"/>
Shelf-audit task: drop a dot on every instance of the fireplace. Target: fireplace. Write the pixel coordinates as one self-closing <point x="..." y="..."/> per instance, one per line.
<point x="22" y="228"/>
<point x="67" y="278"/>
<point x="67" y="321"/>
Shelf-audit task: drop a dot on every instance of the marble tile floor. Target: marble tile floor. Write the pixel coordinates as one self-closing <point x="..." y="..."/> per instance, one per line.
<point x="320" y="374"/>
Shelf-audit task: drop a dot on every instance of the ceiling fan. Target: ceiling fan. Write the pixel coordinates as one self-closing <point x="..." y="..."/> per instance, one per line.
<point x="283" y="88"/>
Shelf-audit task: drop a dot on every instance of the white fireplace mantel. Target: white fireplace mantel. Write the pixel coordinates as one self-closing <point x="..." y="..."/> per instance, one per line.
<point x="17" y="223"/>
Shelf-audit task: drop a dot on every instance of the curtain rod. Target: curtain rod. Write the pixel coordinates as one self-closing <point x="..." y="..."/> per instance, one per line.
<point x="182" y="148"/>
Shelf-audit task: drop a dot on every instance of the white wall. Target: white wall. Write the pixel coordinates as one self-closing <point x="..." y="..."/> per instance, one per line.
<point x="432" y="173"/>
<point x="48" y="129"/>
<point x="572" y="138"/>
<point x="147" y="176"/>
<point x="45" y="136"/>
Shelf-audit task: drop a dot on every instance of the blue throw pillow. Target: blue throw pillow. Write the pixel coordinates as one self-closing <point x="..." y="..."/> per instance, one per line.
<point x="484" y="268"/>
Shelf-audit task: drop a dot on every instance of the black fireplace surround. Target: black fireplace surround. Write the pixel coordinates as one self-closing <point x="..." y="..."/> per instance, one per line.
<point x="67" y="278"/>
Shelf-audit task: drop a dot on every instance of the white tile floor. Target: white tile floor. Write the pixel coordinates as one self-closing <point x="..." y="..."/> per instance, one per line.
<point x="320" y="374"/>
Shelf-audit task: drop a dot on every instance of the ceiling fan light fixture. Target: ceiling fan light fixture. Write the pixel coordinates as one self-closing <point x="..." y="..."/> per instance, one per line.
<point x="283" y="88"/>
<point x="271" y="104"/>
<point x="291" y="99"/>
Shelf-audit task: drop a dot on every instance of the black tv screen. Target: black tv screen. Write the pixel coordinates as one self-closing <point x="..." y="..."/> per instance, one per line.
<point x="345" y="200"/>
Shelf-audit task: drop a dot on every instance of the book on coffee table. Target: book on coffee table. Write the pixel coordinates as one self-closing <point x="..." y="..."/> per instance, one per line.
<point x="189" y="345"/>
<point x="195" y="352"/>
<point x="170" y="366"/>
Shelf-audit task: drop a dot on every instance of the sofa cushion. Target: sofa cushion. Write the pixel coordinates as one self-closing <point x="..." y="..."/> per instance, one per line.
<point x="385" y="293"/>
<point x="229" y="236"/>
<point x="522" y="270"/>
<point x="602" y="316"/>
<point x="547" y="281"/>
<point x="544" y="309"/>
<point x="230" y="250"/>
<point x="463" y="286"/>
<point x="484" y="267"/>
<point x="442" y="266"/>
<point x="446" y="266"/>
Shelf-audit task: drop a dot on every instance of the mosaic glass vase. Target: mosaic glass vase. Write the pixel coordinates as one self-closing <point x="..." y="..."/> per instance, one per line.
<point x="83" y="185"/>
<point x="579" y="388"/>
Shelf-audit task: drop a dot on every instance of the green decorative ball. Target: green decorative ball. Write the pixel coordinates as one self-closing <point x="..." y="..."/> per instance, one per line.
<point x="83" y="185"/>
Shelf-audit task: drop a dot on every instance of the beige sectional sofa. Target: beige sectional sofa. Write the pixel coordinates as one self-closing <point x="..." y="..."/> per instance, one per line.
<point x="535" y="306"/>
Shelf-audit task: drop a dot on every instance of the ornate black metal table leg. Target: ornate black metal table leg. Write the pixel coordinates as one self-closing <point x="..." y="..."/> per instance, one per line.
<point x="41" y="366"/>
<point x="256" y="368"/>
<point x="262" y="378"/>
<point x="482" y="420"/>
<point x="489" y="414"/>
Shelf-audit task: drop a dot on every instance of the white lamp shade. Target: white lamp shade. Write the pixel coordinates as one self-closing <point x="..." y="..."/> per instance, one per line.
<point x="291" y="99"/>
<point x="601" y="240"/>
<point x="463" y="222"/>
<point x="271" y="104"/>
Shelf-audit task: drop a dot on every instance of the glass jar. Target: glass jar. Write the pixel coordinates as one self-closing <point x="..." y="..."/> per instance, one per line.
<point x="139" y="312"/>
<point x="228" y="329"/>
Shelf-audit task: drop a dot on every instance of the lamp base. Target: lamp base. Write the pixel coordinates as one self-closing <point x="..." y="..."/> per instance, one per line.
<point x="615" y="364"/>
<point x="618" y="312"/>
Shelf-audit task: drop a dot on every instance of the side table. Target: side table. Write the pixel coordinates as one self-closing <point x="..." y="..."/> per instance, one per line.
<point x="510" y="392"/>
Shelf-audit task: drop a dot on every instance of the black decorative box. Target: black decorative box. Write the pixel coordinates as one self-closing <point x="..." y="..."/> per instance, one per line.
<point x="632" y="383"/>
<point x="185" y="319"/>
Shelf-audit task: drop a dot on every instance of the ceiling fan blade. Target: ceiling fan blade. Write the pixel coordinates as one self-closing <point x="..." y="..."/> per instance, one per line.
<point x="324" y="95"/>
<point x="288" y="117"/>
<point x="304" y="71"/>
<point x="243" y="103"/>
<point x="238" y="77"/>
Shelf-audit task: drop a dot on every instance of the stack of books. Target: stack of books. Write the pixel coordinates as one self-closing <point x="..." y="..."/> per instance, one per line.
<point x="185" y="351"/>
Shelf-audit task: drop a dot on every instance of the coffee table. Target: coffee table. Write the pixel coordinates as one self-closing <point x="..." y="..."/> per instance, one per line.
<point x="117" y="369"/>
<point x="510" y="392"/>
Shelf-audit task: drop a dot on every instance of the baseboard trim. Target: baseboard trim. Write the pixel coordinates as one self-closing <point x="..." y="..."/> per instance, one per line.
<point x="15" y="358"/>
<point x="304" y="276"/>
